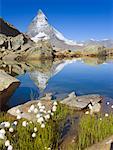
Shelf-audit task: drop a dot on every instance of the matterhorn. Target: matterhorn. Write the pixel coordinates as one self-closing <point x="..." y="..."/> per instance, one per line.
<point x="40" y="29"/>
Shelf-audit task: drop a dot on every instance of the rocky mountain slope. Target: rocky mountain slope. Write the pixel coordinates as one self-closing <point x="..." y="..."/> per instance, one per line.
<point x="16" y="45"/>
<point x="40" y="29"/>
<point x="11" y="38"/>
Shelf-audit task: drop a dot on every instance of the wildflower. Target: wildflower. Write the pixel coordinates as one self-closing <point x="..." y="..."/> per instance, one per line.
<point x="35" y="129"/>
<point x="43" y="107"/>
<point x="87" y="112"/>
<point x="30" y="122"/>
<point x="18" y="111"/>
<point x="55" y="103"/>
<point x="7" y="143"/>
<point x="41" y="110"/>
<point x="42" y="125"/>
<point x="39" y="104"/>
<point x="52" y="114"/>
<point x="7" y="124"/>
<point x="54" y="108"/>
<point x="47" y="116"/>
<point x="108" y="103"/>
<point x="49" y="148"/>
<point x="2" y="131"/>
<point x="18" y="117"/>
<point x="49" y="111"/>
<point x="32" y="107"/>
<point x="100" y="119"/>
<point x="106" y="115"/>
<point x="29" y="111"/>
<point x="40" y="120"/>
<point x="38" y="115"/>
<point x="2" y="136"/>
<point x="24" y="123"/>
<point x="10" y="147"/>
<point x="44" y="111"/>
<point x="90" y="106"/>
<point x="15" y="123"/>
<point x="11" y="129"/>
<point x="34" y="135"/>
<point x="35" y="110"/>
<point x="112" y="106"/>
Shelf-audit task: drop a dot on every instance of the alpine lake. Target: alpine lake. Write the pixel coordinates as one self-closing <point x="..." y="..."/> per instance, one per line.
<point x="83" y="76"/>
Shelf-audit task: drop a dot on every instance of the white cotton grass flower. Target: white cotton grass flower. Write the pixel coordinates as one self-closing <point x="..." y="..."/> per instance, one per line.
<point x="2" y="131"/>
<point x="11" y="130"/>
<point x="49" y="148"/>
<point x="55" y="103"/>
<point x="49" y="111"/>
<point x="33" y="135"/>
<point x="19" y="117"/>
<point x="35" y="129"/>
<point x="29" y="111"/>
<point x="2" y="136"/>
<point x="10" y="147"/>
<point x="52" y="113"/>
<point x="18" y="111"/>
<point x="15" y="123"/>
<point x="106" y="115"/>
<point x="7" y="143"/>
<point x="107" y="103"/>
<point x="41" y="110"/>
<point x="7" y="124"/>
<point x="54" y="108"/>
<point x="32" y="107"/>
<point x="47" y="116"/>
<point x="39" y="104"/>
<point x="40" y="120"/>
<point x="24" y="123"/>
<point x="42" y="125"/>
<point x="35" y="110"/>
<point x="38" y="115"/>
<point x="87" y="112"/>
<point x="90" y="106"/>
<point x="43" y="107"/>
<point x="100" y="119"/>
<point x="44" y="112"/>
<point x="112" y="106"/>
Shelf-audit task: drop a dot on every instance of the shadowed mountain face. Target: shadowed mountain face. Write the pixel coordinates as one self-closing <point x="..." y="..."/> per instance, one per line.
<point x="40" y="29"/>
<point x="8" y="29"/>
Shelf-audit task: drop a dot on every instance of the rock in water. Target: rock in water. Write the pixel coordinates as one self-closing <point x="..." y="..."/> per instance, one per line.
<point x="40" y="29"/>
<point x="8" y="85"/>
<point x="81" y="102"/>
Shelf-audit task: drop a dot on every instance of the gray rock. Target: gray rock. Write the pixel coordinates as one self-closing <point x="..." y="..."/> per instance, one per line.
<point x="8" y="85"/>
<point x="81" y="102"/>
<point x="25" y="107"/>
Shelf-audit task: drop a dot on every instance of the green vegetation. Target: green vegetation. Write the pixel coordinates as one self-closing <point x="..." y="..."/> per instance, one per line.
<point x="93" y="129"/>
<point x="47" y="137"/>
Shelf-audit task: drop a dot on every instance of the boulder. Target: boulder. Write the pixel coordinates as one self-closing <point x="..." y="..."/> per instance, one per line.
<point x="23" y="108"/>
<point x="8" y="85"/>
<point x="81" y="102"/>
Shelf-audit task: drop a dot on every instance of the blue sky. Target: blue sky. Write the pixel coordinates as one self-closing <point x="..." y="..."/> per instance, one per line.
<point x="76" y="19"/>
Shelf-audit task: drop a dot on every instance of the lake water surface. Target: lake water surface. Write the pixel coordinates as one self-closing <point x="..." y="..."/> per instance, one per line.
<point x="63" y="77"/>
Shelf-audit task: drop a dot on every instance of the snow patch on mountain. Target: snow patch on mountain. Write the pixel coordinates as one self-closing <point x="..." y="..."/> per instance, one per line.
<point x="40" y="36"/>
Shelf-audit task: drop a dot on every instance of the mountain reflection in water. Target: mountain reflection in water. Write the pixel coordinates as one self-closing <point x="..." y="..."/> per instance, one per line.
<point x="60" y="77"/>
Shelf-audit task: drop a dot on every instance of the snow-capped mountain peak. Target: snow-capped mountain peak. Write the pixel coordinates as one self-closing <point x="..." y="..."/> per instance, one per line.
<point x="40" y="29"/>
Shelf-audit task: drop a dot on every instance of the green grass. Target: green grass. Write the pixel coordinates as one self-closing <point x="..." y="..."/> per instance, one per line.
<point x="92" y="130"/>
<point x="46" y="137"/>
